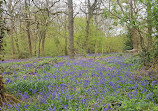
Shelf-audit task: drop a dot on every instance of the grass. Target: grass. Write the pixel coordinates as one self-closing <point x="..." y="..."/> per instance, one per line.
<point x="104" y="84"/>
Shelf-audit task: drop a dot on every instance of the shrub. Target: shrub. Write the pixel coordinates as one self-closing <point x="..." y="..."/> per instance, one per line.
<point x="23" y="55"/>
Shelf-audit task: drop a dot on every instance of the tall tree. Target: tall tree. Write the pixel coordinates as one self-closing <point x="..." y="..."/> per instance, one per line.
<point x="1" y="29"/>
<point x="28" y="24"/>
<point x="71" y="29"/>
<point x="133" y="29"/>
<point x="149" y="22"/>
<point x="44" y="16"/>
<point x="10" y="11"/>
<point x="91" y="8"/>
<point x="126" y="12"/>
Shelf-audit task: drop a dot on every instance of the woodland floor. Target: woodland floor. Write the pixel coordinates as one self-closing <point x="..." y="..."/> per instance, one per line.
<point x="111" y="82"/>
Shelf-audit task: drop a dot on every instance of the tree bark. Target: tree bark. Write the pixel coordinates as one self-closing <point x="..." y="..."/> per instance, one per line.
<point x="10" y="10"/>
<point x="12" y="38"/>
<point x="28" y="27"/>
<point x="71" y="29"/>
<point x="17" y="41"/>
<point x="66" y="52"/>
<point x="134" y="30"/>
<point x="96" y="49"/>
<point x="87" y="35"/>
<point x="39" y="45"/>
<point x="149" y="23"/>
<point x="1" y="31"/>
<point x="134" y="40"/>
<point x="91" y="9"/>
<point x="29" y="37"/>
<point x="66" y="38"/>
<point x="43" y="42"/>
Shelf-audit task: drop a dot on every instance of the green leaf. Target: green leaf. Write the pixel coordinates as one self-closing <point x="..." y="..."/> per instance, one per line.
<point x="115" y="23"/>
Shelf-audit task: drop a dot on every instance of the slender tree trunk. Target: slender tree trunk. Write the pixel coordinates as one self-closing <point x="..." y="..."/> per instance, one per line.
<point x="102" y="50"/>
<point x="17" y="44"/>
<point x="17" y="41"/>
<point x="1" y="37"/>
<point x="35" y="46"/>
<point x="35" y="50"/>
<point x="71" y="30"/>
<point x="66" y="52"/>
<point x="39" y="45"/>
<point x="43" y="43"/>
<point x="134" y="39"/>
<point x="1" y="33"/>
<point x="66" y="39"/>
<point x="141" y="40"/>
<point x="149" y="22"/>
<point x="27" y="4"/>
<point x="96" y="49"/>
<point x="39" y="49"/>
<point x="134" y="30"/>
<point x="91" y="9"/>
<point x="29" y="37"/>
<point x="12" y="38"/>
<point x="87" y="35"/>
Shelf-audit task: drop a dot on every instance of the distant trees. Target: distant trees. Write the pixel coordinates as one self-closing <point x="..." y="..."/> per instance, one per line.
<point x="11" y="9"/>
<point x="48" y="27"/>
<point x="44" y="17"/>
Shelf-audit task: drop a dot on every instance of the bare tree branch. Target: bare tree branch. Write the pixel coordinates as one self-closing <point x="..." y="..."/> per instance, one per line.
<point x="54" y="3"/>
<point x="76" y="14"/>
<point x="118" y="1"/>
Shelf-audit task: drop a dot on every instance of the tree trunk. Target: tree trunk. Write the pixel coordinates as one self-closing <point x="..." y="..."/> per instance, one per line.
<point x="12" y="38"/>
<point x="39" y="46"/>
<point x="36" y="40"/>
<point x="66" y="52"/>
<point x="141" y="40"/>
<point x="149" y="23"/>
<point x="91" y="9"/>
<point x="96" y="49"/>
<point x="87" y="35"/>
<point x="17" y="41"/>
<point x="1" y="34"/>
<point x="134" y="40"/>
<point x="66" y="41"/>
<point x="71" y="29"/>
<point x="29" y="37"/>
<point x="27" y="4"/>
<point x="43" y="43"/>
<point x="134" y="31"/>
<point x="17" y="44"/>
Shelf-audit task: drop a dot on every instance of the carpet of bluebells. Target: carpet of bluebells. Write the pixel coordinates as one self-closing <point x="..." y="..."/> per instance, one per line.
<point x="107" y="83"/>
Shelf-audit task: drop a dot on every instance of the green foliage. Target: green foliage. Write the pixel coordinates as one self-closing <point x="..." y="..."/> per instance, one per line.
<point x="106" y="14"/>
<point x="105" y="44"/>
<point x="31" y="86"/>
<point x="128" y="42"/>
<point x="23" y="55"/>
<point x="113" y="44"/>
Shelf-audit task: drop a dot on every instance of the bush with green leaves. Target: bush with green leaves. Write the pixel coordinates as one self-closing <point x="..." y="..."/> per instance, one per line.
<point x="23" y="55"/>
